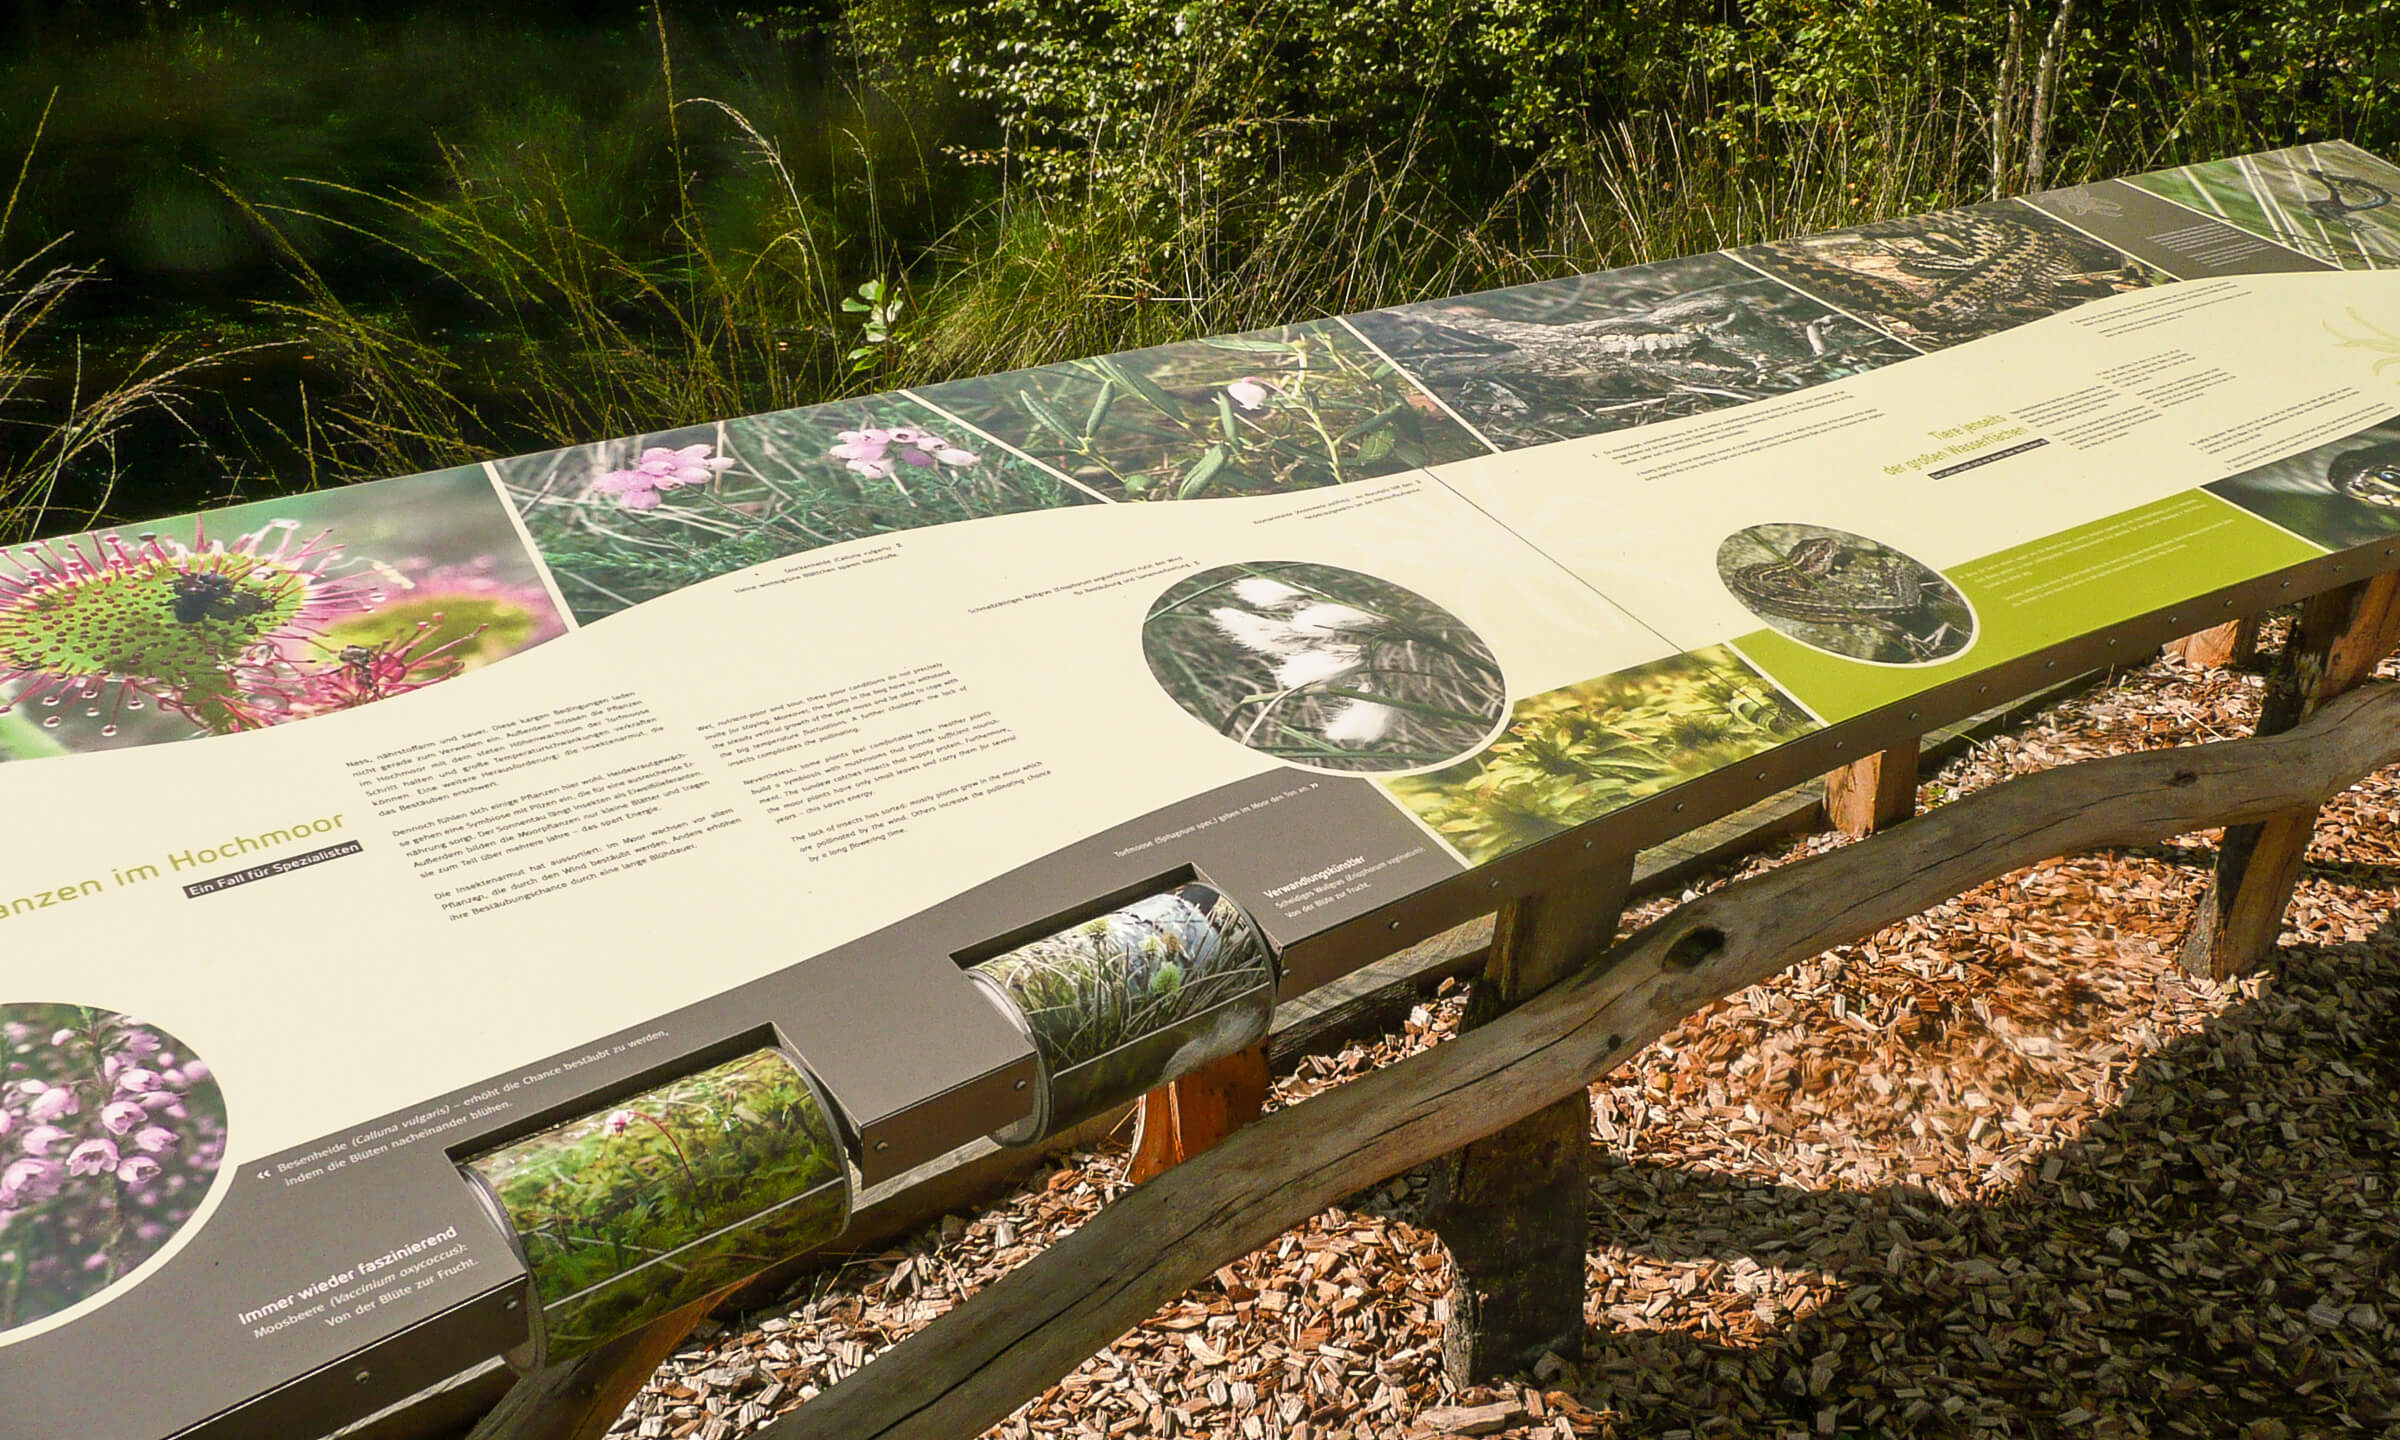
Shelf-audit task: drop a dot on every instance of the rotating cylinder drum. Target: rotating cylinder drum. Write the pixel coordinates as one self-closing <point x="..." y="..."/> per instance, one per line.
<point x="1129" y="1000"/>
<point x="631" y="1211"/>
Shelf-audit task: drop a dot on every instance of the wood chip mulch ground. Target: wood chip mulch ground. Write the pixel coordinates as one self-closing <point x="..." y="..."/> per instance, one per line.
<point x="2002" y="1170"/>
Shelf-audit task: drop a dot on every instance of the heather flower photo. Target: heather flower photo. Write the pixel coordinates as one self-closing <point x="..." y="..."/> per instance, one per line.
<point x="630" y="520"/>
<point x="261" y="614"/>
<point x="1126" y="1001"/>
<point x="111" y="1133"/>
<point x="1292" y="408"/>
<point x="668" y="1195"/>
<point x="1324" y="667"/>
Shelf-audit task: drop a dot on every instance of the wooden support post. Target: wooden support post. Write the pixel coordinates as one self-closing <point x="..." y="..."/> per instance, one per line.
<point x="1873" y="794"/>
<point x="1511" y="1208"/>
<point x="2337" y="642"/>
<point x="1184" y="1117"/>
<point x="2221" y="647"/>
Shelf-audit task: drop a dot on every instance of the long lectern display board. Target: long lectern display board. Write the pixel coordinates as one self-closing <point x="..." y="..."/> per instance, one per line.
<point x="449" y="915"/>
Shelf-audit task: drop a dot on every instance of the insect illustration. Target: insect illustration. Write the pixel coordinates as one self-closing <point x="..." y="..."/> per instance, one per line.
<point x="211" y="596"/>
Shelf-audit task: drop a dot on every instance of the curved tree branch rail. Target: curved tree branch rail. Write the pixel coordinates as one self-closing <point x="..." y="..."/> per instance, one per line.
<point x="973" y="1366"/>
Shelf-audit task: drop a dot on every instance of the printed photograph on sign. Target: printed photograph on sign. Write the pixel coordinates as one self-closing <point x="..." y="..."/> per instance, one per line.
<point x="111" y="1133"/>
<point x="1324" y="667"/>
<point x="1586" y="354"/>
<point x="1937" y="280"/>
<point x="1578" y="753"/>
<point x="625" y="521"/>
<point x="262" y="614"/>
<point x="1846" y="594"/>
<point x="1286" y="409"/>
<point x="2342" y="493"/>
<point x="2334" y="203"/>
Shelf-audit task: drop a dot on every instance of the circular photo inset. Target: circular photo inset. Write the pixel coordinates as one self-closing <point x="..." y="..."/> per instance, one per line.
<point x="110" y="1135"/>
<point x="1324" y="667"/>
<point x="1846" y="594"/>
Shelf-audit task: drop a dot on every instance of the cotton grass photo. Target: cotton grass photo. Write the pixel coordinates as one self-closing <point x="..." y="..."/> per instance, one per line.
<point x="1323" y="667"/>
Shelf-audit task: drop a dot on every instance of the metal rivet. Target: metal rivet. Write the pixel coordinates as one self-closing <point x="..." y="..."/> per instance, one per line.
<point x="882" y="1145"/>
<point x="2049" y="664"/>
<point x="1912" y="714"/>
<point x="1980" y="689"/>
<point x="1021" y="1084"/>
<point x="512" y="1302"/>
<point x="360" y="1377"/>
<point x="1841" y="744"/>
<point x="2112" y="640"/>
<point x="1393" y="926"/>
<point x="1587" y="844"/>
<point x="1495" y="884"/>
<point x="1679" y="804"/>
<point x="2287" y="584"/>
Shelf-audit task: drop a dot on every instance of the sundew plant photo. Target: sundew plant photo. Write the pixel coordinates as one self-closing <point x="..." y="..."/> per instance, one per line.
<point x="1324" y="667"/>
<point x="1575" y="754"/>
<point x="1291" y="408"/>
<point x="671" y="1194"/>
<point x="111" y="1133"/>
<point x="1158" y="969"/>
<point x="629" y="520"/>
<point x="261" y="614"/>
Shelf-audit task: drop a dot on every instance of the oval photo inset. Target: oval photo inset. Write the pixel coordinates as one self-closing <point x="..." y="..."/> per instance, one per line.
<point x="1845" y="594"/>
<point x="1323" y="667"/>
<point x="111" y="1134"/>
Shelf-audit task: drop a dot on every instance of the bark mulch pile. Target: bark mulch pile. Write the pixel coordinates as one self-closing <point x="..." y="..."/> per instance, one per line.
<point x="2001" y="1170"/>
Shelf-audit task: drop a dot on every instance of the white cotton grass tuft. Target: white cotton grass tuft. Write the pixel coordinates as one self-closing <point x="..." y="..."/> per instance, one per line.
<point x="1262" y="633"/>
<point x="1360" y="722"/>
<point x="1315" y="667"/>
<point x="1328" y="618"/>
<point x="1261" y="593"/>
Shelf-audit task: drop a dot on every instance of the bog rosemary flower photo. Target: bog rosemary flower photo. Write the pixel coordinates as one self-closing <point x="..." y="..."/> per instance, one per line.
<point x="110" y="1136"/>
<point x="1575" y="754"/>
<point x="1324" y="667"/>
<point x="238" y="619"/>
<point x="630" y="520"/>
<point x="1285" y="409"/>
<point x="1130" y="999"/>
<point x="680" y="1190"/>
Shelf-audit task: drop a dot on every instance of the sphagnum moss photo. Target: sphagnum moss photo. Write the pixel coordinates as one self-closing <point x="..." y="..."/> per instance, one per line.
<point x="634" y="1211"/>
<point x="630" y="520"/>
<point x="1324" y="667"/>
<point x="238" y="619"/>
<point x="1575" y="754"/>
<point x="111" y="1134"/>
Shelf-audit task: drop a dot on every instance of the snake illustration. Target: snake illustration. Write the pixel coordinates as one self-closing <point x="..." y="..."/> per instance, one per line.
<point x="2370" y="473"/>
<point x="1829" y="580"/>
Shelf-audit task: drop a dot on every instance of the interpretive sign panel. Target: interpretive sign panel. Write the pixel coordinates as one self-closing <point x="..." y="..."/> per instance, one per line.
<point x="686" y="829"/>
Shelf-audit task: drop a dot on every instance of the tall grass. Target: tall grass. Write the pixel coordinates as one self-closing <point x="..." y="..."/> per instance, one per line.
<point x="53" y="426"/>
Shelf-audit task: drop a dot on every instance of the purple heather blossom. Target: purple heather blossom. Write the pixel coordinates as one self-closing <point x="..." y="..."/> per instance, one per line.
<point x="122" y="1116"/>
<point x="8" y="1122"/>
<point x="138" y="1170"/>
<point x="42" y="1139"/>
<point x="29" y="1182"/>
<point x="137" y="1043"/>
<point x="660" y="469"/>
<point x="92" y="1157"/>
<point x="60" y="1038"/>
<point x="195" y="1071"/>
<point x="154" y="1140"/>
<point x="136" y="1079"/>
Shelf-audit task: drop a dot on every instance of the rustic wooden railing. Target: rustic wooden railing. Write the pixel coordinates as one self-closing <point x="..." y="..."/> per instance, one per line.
<point x="1502" y="1107"/>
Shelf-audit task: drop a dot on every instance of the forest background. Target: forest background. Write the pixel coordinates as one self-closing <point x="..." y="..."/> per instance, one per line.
<point x="249" y="249"/>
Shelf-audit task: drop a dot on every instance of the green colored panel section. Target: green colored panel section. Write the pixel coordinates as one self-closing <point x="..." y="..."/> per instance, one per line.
<point x="2051" y="590"/>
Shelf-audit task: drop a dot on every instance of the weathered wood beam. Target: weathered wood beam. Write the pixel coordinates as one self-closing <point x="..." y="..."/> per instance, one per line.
<point x="1187" y="1116"/>
<point x="974" y="1365"/>
<point x="581" y="1399"/>
<point x="1873" y="794"/>
<point x="2220" y="647"/>
<point x="1510" y="1207"/>
<point x="2339" y="639"/>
